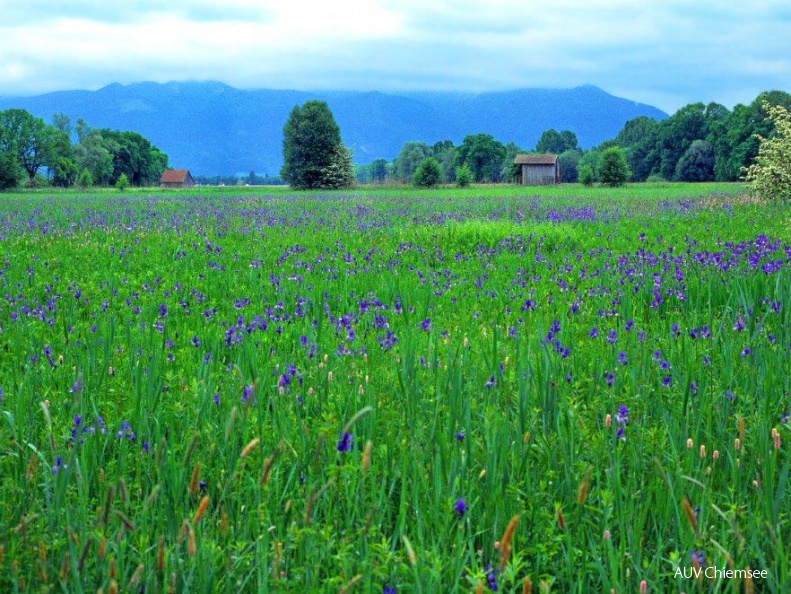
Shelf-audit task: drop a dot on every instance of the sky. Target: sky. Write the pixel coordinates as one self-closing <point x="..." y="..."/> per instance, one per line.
<point x="665" y="53"/>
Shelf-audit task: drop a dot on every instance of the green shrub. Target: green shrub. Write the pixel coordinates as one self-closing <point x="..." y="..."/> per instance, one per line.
<point x="428" y="174"/>
<point x="123" y="182"/>
<point x="613" y="170"/>
<point x="586" y="176"/>
<point x="85" y="180"/>
<point x="463" y="176"/>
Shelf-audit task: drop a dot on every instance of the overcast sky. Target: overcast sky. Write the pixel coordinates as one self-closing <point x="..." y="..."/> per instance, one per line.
<point x="666" y="53"/>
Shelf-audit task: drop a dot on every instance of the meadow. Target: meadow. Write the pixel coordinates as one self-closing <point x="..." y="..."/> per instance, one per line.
<point x="491" y="389"/>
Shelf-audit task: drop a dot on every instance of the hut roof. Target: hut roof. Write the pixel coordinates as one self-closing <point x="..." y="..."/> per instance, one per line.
<point x="174" y="176"/>
<point x="536" y="159"/>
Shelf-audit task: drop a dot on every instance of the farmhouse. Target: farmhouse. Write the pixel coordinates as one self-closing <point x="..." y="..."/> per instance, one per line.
<point x="176" y="178"/>
<point x="538" y="170"/>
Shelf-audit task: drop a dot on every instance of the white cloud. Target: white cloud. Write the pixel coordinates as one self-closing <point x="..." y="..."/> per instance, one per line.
<point x="668" y="52"/>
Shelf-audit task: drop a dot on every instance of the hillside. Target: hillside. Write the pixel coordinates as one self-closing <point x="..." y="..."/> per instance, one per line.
<point x="212" y="128"/>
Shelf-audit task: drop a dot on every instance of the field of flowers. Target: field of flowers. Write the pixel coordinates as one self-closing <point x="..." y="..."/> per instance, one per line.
<point x="394" y="391"/>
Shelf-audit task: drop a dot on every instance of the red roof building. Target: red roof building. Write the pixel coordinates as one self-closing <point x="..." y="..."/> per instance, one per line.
<point x="176" y="178"/>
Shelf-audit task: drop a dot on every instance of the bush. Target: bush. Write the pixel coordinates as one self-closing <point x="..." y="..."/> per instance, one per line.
<point x="697" y="163"/>
<point x="613" y="169"/>
<point x="655" y="178"/>
<point x="10" y="171"/>
<point x="428" y="174"/>
<point x="586" y="176"/>
<point x="463" y="176"/>
<point x="770" y="174"/>
<point x="123" y="182"/>
<point x="85" y="180"/>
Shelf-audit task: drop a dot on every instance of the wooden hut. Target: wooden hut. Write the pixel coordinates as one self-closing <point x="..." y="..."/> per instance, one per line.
<point x="176" y="178"/>
<point x="538" y="170"/>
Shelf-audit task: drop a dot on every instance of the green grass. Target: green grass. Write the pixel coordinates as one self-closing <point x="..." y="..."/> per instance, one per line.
<point x="118" y="305"/>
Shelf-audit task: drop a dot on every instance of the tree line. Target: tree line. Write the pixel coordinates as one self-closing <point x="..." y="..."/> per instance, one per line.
<point x="698" y="143"/>
<point x="37" y="154"/>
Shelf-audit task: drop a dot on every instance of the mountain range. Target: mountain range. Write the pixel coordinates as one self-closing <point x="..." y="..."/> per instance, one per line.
<point x="211" y="128"/>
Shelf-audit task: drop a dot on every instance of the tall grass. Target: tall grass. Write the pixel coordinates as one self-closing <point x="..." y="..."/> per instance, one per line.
<point x="302" y="392"/>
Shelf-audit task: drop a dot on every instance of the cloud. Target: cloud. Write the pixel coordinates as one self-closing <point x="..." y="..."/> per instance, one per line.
<point x="668" y="53"/>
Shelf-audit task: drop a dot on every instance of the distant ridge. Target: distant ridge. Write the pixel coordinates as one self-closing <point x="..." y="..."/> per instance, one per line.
<point x="214" y="129"/>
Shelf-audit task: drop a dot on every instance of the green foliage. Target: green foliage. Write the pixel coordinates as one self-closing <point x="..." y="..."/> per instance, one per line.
<point x="569" y="162"/>
<point x="510" y="171"/>
<point x="770" y="174"/>
<point x="10" y="171"/>
<point x="29" y="138"/>
<point x="613" y="169"/>
<point x="590" y="159"/>
<point x="445" y="153"/>
<point x="93" y="154"/>
<point x="379" y="171"/>
<point x="585" y="175"/>
<point x="339" y="173"/>
<point x="428" y="174"/>
<point x="134" y="156"/>
<point x="409" y="159"/>
<point x="463" y="176"/>
<point x="657" y="148"/>
<point x="312" y="149"/>
<point x="85" y="180"/>
<point x="122" y="183"/>
<point x="697" y="163"/>
<point x="555" y="142"/>
<point x="483" y="155"/>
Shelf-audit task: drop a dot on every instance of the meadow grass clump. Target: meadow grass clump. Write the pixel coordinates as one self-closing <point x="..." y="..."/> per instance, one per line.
<point x="581" y="389"/>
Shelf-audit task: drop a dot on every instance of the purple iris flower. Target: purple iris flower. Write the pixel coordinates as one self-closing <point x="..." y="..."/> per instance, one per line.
<point x="460" y="507"/>
<point x="345" y="442"/>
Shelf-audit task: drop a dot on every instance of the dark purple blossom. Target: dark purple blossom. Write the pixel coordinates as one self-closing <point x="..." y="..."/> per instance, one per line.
<point x="345" y="442"/>
<point x="460" y="507"/>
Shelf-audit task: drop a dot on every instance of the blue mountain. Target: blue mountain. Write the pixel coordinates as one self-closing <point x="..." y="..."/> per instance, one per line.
<point x="214" y="129"/>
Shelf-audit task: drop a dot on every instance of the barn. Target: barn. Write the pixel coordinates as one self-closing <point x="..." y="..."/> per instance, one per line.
<point x="176" y="178"/>
<point x="538" y="170"/>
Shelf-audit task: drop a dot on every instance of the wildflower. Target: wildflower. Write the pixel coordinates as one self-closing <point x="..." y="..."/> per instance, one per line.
<point x="697" y="557"/>
<point x="388" y="589"/>
<point x="609" y="378"/>
<point x="490" y="382"/>
<point x="459" y="436"/>
<point x="345" y="442"/>
<point x="125" y="431"/>
<point x="612" y="336"/>
<point x="622" y="358"/>
<point x="746" y="352"/>
<point x="491" y="578"/>
<point x="460" y="507"/>
<point x="247" y="392"/>
<point x="693" y="387"/>
<point x="58" y="465"/>
<point x="622" y="418"/>
<point x="426" y="325"/>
